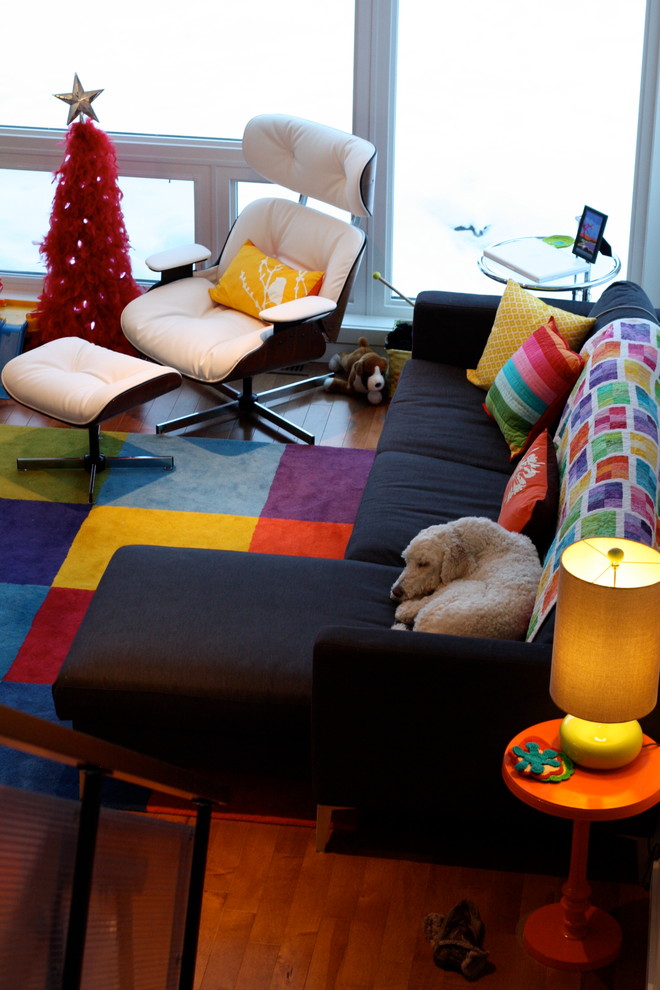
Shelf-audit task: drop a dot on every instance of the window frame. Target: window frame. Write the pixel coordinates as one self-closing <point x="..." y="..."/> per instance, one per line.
<point x="216" y="165"/>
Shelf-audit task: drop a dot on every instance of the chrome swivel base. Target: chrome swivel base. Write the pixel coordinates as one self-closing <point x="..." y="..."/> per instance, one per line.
<point x="93" y="462"/>
<point x="248" y="402"/>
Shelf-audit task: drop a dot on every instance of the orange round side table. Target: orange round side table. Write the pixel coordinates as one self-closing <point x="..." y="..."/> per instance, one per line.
<point x="573" y="934"/>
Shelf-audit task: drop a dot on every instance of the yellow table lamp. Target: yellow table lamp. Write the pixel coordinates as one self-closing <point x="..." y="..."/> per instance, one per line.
<point x="606" y="650"/>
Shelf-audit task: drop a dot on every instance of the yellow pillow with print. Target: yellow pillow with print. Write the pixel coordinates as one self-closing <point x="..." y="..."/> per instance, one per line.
<point x="518" y="316"/>
<point x="253" y="281"/>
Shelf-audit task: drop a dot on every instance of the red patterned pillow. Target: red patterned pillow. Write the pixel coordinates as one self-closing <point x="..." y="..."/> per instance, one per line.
<point x="531" y="498"/>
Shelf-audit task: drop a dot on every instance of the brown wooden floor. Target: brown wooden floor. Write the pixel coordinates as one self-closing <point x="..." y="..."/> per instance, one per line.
<point x="336" y="421"/>
<point x="279" y="915"/>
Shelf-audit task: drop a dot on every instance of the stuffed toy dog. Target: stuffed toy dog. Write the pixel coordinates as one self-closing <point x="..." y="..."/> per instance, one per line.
<point x="365" y="371"/>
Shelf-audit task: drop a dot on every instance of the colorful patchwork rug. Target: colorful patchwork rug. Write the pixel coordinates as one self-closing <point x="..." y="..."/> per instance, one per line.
<point x="54" y="546"/>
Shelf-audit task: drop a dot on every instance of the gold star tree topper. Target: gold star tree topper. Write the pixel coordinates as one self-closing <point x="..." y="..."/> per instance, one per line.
<point x="79" y="100"/>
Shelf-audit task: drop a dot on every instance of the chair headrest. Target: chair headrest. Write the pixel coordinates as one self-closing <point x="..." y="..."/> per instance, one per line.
<point x="313" y="160"/>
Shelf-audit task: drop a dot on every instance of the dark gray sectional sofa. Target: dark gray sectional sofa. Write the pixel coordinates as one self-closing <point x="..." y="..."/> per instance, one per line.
<point x="229" y="660"/>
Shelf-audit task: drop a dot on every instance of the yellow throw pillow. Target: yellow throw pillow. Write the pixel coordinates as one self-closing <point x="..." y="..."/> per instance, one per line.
<point x="519" y="315"/>
<point x="253" y="282"/>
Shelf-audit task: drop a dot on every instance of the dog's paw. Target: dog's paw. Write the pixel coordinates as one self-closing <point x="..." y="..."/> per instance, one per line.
<point x="407" y="611"/>
<point x="401" y="625"/>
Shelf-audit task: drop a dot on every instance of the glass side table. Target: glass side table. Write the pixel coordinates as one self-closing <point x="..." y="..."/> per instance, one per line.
<point x="602" y="271"/>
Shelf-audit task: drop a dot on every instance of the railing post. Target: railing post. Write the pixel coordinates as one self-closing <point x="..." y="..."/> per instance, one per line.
<point x="195" y="892"/>
<point x="82" y="878"/>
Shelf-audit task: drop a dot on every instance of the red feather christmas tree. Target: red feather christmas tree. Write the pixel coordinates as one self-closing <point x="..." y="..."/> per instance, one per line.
<point x="88" y="281"/>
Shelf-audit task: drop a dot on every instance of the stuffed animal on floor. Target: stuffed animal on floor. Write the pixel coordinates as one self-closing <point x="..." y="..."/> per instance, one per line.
<point x="365" y="373"/>
<point x="457" y="940"/>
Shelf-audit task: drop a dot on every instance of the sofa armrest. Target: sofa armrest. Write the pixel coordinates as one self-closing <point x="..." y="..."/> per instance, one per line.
<point x="453" y="327"/>
<point x="419" y="718"/>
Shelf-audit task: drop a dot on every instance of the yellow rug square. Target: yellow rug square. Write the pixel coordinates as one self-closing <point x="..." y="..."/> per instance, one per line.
<point x="109" y="527"/>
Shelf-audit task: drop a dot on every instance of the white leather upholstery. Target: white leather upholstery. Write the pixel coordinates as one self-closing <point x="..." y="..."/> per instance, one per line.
<point x="72" y="380"/>
<point x="179" y="323"/>
<point x="300" y="237"/>
<point x="187" y="254"/>
<point x="298" y="310"/>
<point x="314" y="160"/>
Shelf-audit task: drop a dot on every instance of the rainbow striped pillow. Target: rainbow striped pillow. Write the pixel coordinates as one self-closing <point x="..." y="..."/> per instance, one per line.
<point x="530" y="391"/>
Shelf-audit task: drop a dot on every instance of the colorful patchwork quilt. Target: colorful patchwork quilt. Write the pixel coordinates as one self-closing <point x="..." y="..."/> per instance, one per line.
<point x="607" y="444"/>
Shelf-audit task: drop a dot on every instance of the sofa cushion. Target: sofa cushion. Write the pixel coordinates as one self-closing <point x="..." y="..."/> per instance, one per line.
<point x="531" y="498"/>
<point x="530" y="391"/>
<point x="407" y="492"/>
<point x="179" y="642"/>
<point x="608" y="448"/>
<point x="435" y="410"/>
<point x="517" y="317"/>
<point x="439" y="458"/>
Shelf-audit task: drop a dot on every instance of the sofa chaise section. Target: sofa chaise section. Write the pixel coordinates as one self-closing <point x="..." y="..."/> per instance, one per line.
<point x="204" y="657"/>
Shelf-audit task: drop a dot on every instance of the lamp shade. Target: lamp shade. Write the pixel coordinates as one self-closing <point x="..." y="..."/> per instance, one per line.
<point x="606" y="650"/>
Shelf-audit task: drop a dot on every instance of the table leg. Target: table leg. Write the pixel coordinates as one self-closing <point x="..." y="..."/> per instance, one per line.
<point x="573" y="934"/>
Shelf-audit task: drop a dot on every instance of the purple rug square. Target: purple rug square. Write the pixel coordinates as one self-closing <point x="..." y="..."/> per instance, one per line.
<point x="35" y="537"/>
<point x="319" y="484"/>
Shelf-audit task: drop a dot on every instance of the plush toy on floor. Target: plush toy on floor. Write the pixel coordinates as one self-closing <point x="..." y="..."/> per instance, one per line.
<point x="457" y="940"/>
<point x="366" y="373"/>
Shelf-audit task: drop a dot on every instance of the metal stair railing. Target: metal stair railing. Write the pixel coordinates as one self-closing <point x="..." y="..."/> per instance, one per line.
<point x="97" y="760"/>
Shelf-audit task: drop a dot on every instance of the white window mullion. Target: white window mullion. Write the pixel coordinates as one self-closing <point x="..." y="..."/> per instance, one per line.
<point x="374" y="95"/>
<point x="644" y="255"/>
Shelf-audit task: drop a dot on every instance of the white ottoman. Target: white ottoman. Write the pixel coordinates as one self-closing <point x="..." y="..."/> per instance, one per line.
<point x="82" y="384"/>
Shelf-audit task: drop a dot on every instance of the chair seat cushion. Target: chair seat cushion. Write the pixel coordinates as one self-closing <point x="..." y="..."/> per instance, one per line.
<point x="80" y="383"/>
<point x="181" y="325"/>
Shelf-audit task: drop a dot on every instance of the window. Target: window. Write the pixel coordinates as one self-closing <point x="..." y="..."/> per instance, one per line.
<point x="156" y="211"/>
<point x="175" y="100"/>
<point x="200" y="71"/>
<point x="25" y="199"/>
<point x="525" y="118"/>
<point x="496" y="118"/>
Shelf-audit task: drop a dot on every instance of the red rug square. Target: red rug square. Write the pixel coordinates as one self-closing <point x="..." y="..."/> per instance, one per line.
<point x="301" y="539"/>
<point x="46" y="645"/>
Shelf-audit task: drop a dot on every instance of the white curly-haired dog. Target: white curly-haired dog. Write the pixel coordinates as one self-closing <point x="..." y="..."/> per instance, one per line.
<point x="469" y="577"/>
